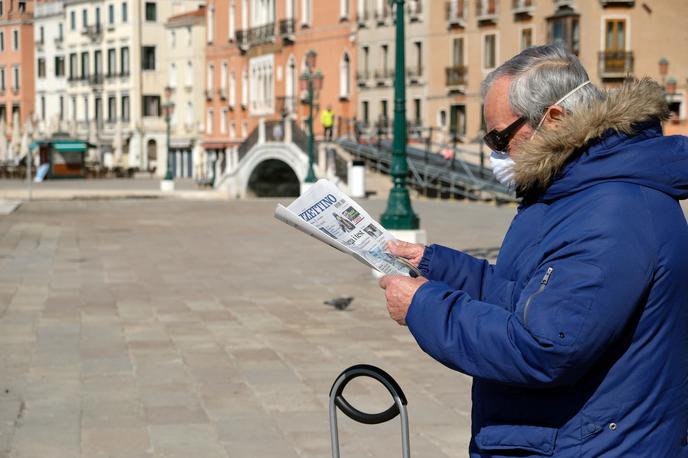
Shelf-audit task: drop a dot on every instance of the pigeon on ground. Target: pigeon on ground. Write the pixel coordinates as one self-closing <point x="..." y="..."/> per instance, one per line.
<point x="340" y="303"/>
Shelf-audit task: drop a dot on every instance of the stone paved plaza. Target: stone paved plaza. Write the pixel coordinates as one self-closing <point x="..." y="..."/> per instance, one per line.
<point x="176" y="328"/>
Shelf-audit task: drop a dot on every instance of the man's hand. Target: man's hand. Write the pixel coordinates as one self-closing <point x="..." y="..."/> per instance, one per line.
<point x="399" y="291"/>
<point x="412" y="252"/>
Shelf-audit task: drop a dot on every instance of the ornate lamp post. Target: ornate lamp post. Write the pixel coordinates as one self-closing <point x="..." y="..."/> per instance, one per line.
<point x="312" y="81"/>
<point x="168" y="107"/>
<point x="399" y="214"/>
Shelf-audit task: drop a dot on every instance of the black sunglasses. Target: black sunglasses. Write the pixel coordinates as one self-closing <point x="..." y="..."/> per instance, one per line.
<point x="499" y="140"/>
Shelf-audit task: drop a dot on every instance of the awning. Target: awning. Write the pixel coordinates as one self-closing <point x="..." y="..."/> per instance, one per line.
<point x="70" y="146"/>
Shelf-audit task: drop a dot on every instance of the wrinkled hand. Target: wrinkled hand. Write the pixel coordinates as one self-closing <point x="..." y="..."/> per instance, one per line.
<point x="412" y="252"/>
<point x="399" y="291"/>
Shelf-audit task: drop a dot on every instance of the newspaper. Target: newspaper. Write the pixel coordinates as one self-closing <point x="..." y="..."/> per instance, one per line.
<point x="332" y="217"/>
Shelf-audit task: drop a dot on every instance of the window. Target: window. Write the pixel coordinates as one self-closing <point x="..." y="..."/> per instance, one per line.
<point x="41" y="35"/>
<point x="419" y="57"/>
<point x="84" y="18"/>
<point x="343" y="9"/>
<point x="457" y="52"/>
<point x="98" y="61"/>
<point x="306" y="12"/>
<point x="489" y="51"/>
<point x="112" y="108"/>
<point x="151" y="105"/>
<point x="2" y="10"/>
<point x="124" y="60"/>
<point x="15" y="39"/>
<point x="112" y="62"/>
<point x="384" y="113"/>
<point x="41" y="67"/>
<point x="232" y="90"/>
<point x="2" y="41"/>
<point x="189" y="74"/>
<point x="244" y="129"/>
<point x="72" y="20"/>
<point x="84" y="65"/>
<point x="173" y="76"/>
<point x="151" y="12"/>
<point x="125" y="108"/>
<point x="345" y="77"/>
<point x="564" y="31"/>
<point x="615" y="35"/>
<point x="60" y="66"/>
<point x="526" y="38"/>
<point x="73" y="66"/>
<point x="97" y="24"/>
<point x="210" y="77"/>
<point x="61" y="103"/>
<point x="223" y="78"/>
<point x="223" y="121"/>
<point x="244" y="88"/>
<point x="210" y="26"/>
<point x="189" y="115"/>
<point x="2" y="79"/>
<point x="457" y="121"/>
<point x="22" y="6"/>
<point x="125" y="12"/>
<point x="232" y="19"/>
<point x="232" y="131"/>
<point x="60" y="31"/>
<point x="111" y="14"/>
<point x="86" y="110"/>
<point x="189" y="35"/>
<point x="15" y="78"/>
<point x="73" y="108"/>
<point x="148" y="58"/>
<point x="209" y="122"/>
<point x="99" y="110"/>
<point x="417" y="118"/>
<point x="173" y="38"/>
<point x="385" y="58"/>
<point x="366" y="112"/>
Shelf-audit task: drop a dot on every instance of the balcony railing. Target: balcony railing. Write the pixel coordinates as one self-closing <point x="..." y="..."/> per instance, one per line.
<point x="615" y="64"/>
<point x="362" y="17"/>
<point x="362" y="77"/>
<point x="96" y="79"/>
<point x="414" y="73"/>
<point x="287" y="28"/>
<point x="94" y="32"/>
<point x="486" y="10"/>
<point x="261" y="34"/>
<point x="209" y="94"/>
<point x="286" y="104"/>
<point x="222" y="92"/>
<point x="385" y="74"/>
<point x="242" y="39"/>
<point x="58" y="42"/>
<point x="456" y="12"/>
<point x="523" y="7"/>
<point x="617" y="2"/>
<point x="415" y="9"/>
<point x="456" y="76"/>
<point x="381" y="16"/>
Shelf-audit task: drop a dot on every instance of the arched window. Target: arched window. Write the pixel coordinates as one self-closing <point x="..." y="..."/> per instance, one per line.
<point x="290" y="85"/>
<point x="345" y="77"/>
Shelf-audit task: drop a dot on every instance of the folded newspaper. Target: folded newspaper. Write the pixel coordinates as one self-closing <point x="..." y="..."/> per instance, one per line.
<point x="332" y="217"/>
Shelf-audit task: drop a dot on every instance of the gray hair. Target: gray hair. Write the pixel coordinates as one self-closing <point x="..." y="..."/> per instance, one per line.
<point x="541" y="76"/>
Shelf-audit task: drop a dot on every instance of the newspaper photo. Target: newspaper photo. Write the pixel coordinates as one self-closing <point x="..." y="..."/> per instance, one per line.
<point x="332" y="217"/>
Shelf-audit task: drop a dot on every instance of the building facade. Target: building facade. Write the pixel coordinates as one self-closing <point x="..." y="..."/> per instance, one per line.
<point x="255" y="56"/>
<point x="50" y="65"/>
<point x="17" y="80"/>
<point x="115" y="52"/>
<point x="185" y="67"/>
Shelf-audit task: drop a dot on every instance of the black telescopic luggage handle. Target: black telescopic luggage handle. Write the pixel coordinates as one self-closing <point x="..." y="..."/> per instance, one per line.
<point x="337" y="400"/>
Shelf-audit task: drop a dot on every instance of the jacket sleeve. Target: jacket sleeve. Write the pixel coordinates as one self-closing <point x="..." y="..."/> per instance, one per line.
<point x="458" y="270"/>
<point x="578" y="301"/>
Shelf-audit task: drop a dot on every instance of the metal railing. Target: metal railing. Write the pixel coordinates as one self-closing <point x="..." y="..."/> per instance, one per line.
<point x="615" y="64"/>
<point x="414" y="9"/>
<point x="486" y="10"/>
<point x="456" y="75"/>
<point x="384" y="74"/>
<point x="287" y="27"/>
<point x="522" y="6"/>
<point x="415" y="72"/>
<point x="261" y="34"/>
<point x="242" y="39"/>
<point x="456" y="12"/>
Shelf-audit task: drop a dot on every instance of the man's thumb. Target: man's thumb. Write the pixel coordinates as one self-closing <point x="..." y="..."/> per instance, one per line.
<point x="400" y="248"/>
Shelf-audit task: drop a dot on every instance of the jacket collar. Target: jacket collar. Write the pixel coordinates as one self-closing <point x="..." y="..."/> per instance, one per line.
<point x="622" y="111"/>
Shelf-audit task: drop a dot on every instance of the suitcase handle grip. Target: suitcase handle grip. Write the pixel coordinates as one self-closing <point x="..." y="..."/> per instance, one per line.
<point x="366" y="370"/>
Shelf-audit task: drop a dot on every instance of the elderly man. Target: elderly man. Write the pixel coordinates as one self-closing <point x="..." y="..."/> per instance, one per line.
<point x="577" y="339"/>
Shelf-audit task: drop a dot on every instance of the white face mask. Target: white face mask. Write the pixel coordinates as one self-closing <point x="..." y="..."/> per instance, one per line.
<point x="503" y="165"/>
<point x="503" y="169"/>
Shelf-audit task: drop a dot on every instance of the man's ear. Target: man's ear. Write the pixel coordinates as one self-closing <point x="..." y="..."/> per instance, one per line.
<point x="554" y="114"/>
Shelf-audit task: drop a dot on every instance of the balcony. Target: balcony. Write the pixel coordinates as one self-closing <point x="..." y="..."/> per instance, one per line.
<point x="456" y="77"/>
<point x="414" y="74"/>
<point x="362" y="17"/>
<point x="261" y="34"/>
<point x="486" y="11"/>
<point x="383" y="76"/>
<point x="287" y="29"/>
<point x="96" y="80"/>
<point x="415" y="10"/>
<point x="381" y="16"/>
<point x="58" y="42"/>
<point x="242" y="40"/>
<point x="362" y="78"/>
<point x="606" y="3"/>
<point x="523" y="8"/>
<point x="93" y="32"/>
<point x="456" y="13"/>
<point x="615" y="64"/>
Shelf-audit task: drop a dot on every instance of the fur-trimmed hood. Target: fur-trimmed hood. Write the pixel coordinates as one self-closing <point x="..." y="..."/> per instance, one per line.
<point x="622" y="117"/>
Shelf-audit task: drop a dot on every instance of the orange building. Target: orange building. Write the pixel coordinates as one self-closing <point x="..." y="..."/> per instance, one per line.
<point x="255" y="55"/>
<point x="17" y="91"/>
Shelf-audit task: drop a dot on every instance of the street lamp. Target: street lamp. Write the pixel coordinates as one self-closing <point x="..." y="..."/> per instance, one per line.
<point x="312" y="81"/>
<point x="168" y="182"/>
<point x="399" y="214"/>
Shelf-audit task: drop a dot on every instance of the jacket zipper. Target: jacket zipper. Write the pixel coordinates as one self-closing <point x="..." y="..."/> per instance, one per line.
<point x="543" y="284"/>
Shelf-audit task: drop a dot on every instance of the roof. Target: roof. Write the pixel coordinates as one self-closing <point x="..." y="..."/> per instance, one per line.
<point x="189" y="17"/>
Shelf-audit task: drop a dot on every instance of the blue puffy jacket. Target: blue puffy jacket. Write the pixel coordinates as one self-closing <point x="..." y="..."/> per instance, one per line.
<point x="577" y="339"/>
